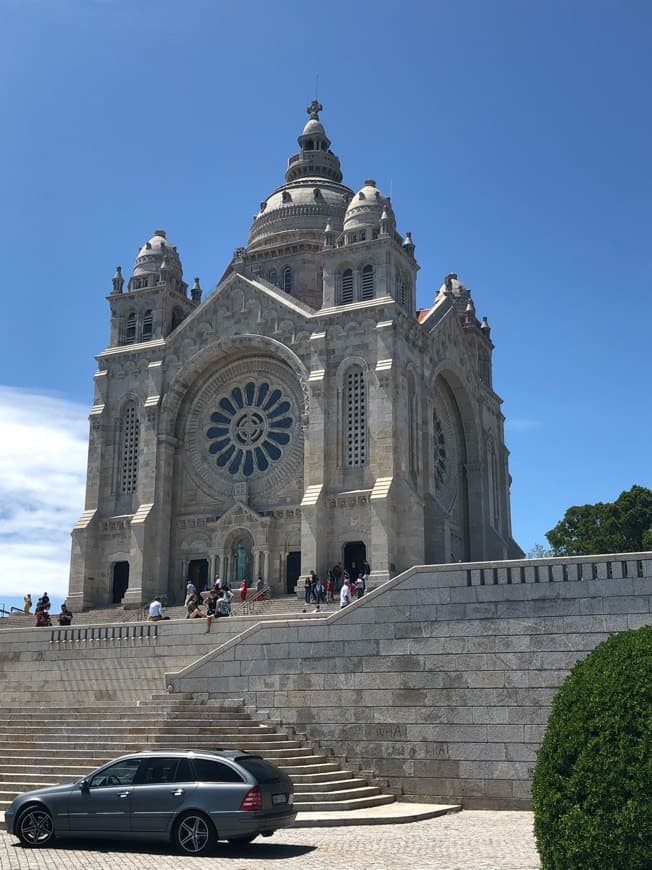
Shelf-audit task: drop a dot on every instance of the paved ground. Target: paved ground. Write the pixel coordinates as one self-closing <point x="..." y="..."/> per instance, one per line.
<point x="461" y="841"/>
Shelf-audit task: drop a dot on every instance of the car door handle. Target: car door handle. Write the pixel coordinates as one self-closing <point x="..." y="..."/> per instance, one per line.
<point x="178" y="792"/>
<point x="124" y="794"/>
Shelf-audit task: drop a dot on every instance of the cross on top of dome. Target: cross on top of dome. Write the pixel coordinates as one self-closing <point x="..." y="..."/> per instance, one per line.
<point x="314" y="109"/>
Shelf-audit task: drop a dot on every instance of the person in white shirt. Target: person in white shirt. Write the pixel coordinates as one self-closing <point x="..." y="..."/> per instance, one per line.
<point x="155" y="611"/>
<point x="345" y="593"/>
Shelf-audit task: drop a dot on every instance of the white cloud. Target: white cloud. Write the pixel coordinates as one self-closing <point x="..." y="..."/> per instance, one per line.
<point x="44" y="443"/>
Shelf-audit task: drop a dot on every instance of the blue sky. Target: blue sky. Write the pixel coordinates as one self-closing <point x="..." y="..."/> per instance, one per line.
<point x="514" y="138"/>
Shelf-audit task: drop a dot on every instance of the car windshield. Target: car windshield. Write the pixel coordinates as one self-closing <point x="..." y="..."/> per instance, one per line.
<point x="258" y="767"/>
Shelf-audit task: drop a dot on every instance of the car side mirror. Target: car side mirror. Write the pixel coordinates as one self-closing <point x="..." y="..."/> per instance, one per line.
<point x="83" y="785"/>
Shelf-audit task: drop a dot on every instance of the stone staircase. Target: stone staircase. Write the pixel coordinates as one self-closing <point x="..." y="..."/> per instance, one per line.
<point x="284" y="605"/>
<point x="45" y="745"/>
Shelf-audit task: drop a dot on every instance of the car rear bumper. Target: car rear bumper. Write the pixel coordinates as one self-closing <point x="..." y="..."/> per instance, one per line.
<point x="245" y="824"/>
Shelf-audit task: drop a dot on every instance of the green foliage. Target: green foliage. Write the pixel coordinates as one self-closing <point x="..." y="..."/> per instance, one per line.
<point x="622" y="526"/>
<point x="592" y="788"/>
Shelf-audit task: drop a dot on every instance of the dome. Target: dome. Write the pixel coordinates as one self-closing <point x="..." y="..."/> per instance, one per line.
<point x="302" y="206"/>
<point x="312" y="197"/>
<point x="367" y="207"/>
<point x="314" y="127"/>
<point x="156" y="252"/>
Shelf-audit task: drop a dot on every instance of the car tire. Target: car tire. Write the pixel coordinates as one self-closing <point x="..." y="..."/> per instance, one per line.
<point x="194" y="834"/>
<point x="242" y="841"/>
<point x="35" y="826"/>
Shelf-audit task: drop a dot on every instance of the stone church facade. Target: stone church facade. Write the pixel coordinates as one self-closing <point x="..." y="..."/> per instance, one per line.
<point x="304" y="414"/>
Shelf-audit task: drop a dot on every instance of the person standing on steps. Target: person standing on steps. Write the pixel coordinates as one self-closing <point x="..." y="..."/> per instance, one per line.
<point x="244" y="589"/>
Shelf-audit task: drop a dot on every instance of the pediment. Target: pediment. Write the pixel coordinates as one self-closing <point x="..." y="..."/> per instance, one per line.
<point x="241" y="305"/>
<point x="240" y="514"/>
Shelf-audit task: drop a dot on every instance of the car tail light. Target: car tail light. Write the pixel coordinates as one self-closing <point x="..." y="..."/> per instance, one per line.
<point x="253" y="800"/>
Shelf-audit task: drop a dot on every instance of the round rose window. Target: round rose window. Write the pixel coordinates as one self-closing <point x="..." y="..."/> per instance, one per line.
<point x="251" y="427"/>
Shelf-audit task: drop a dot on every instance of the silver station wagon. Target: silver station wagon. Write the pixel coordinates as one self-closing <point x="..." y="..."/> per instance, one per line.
<point x="193" y="799"/>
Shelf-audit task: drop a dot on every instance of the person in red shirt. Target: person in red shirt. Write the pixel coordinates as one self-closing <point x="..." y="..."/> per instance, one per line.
<point x="244" y="588"/>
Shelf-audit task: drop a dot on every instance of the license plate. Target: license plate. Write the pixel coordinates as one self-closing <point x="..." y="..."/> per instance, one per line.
<point x="279" y="799"/>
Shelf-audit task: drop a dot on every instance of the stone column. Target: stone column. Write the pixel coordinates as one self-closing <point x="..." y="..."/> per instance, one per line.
<point x="313" y="515"/>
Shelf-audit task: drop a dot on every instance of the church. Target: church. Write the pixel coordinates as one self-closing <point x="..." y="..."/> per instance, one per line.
<point x="305" y="414"/>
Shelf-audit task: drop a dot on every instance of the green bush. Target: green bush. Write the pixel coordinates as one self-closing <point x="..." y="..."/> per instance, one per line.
<point x="592" y="788"/>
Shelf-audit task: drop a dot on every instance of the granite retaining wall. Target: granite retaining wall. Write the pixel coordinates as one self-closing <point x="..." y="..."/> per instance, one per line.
<point x="440" y="681"/>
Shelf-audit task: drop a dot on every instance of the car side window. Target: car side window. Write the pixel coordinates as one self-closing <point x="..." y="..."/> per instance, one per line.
<point x="215" y="771"/>
<point x="158" y="770"/>
<point x="184" y="771"/>
<point x="120" y="773"/>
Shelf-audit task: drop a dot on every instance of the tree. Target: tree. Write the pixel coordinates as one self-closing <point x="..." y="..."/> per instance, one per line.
<point x="592" y="785"/>
<point x="538" y="551"/>
<point x="622" y="526"/>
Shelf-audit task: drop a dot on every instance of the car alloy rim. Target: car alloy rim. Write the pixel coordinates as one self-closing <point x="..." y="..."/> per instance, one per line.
<point x="193" y="834"/>
<point x="36" y="826"/>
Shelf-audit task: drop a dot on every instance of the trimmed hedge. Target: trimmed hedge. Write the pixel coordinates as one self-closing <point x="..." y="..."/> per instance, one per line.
<point x="592" y="788"/>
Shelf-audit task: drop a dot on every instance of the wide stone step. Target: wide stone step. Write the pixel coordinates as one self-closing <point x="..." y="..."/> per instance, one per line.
<point x="10" y="732"/>
<point x="84" y="739"/>
<point x="137" y="716"/>
<point x="325" y="806"/>
<point x="123" y="710"/>
<point x="292" y="769"/>
<point x="52" y="773"/>
<point x="325" y="777"/>
<point x="335" y="785"/>
<point x="345" y="794"/>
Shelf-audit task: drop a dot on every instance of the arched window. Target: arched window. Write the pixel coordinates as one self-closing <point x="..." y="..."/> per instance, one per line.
<point x="273" y="277"/>
<point x="177" y="317"/>
<point x="147" y="325"/>
<point x="347" y="287"/>
<point x="129" y="438"/>
<point x="287" y="280"/>
<point x="355" y="418"/>
<point x="368" y="282"/>
<point x="130" y="334"/>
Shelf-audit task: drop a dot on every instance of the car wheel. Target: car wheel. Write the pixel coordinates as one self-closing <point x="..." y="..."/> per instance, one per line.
<point x="195" y="834"/>
<point x="35" y="827"/>
<point x="242" y="841"/>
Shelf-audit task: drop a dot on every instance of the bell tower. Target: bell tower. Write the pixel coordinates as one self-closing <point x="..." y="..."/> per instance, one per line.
<point x="156" y="299"/>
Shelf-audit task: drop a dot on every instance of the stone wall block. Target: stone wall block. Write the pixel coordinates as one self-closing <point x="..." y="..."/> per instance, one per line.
<point x="630" y="604"/>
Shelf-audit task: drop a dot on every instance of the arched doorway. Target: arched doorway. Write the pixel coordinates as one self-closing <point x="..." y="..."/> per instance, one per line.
<point x="355" y="554"/>
<point x="292" y="571"/>
<point x="198" y="573"/>
<point x="120" y="581"/>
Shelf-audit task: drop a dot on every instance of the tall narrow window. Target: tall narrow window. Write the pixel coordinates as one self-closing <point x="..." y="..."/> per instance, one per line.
<point x="147" y="325"/>
<point x="130" y="436"/>
<point x="412" y="426"/>
<point x="401" y="289"/>
<point x="368" y="282"/>
<point x="347" y="286"/>
<point x="494" y="498"/>
<point x="355" y="415"/>
<point x="287" y="280"/>
<point x="273" y="277"/>
<point x="130" y="334"/>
